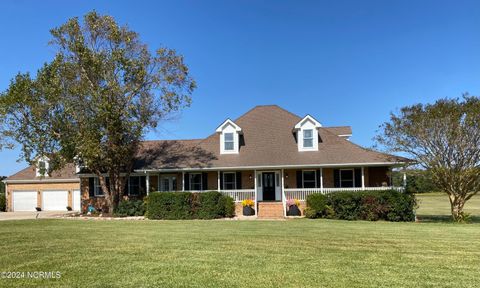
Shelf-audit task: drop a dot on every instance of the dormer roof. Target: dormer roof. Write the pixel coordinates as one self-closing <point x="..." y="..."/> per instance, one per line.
<point x="227" y="123"/>
<point x="306" y="119"/>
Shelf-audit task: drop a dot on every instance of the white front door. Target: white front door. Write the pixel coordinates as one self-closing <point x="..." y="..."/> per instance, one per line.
<point x="269" y="182"/>
<point x="168" y="183"/>
<point x="55" y="200"/>
<point x="24" y="200"/>
<point x="76" y="200"/>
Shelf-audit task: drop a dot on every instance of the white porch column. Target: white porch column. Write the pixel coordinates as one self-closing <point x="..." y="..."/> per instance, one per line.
<point x="363" y="178"/>
<point x="183" y="181"/>
<point x="148" y="183"/>
<point x="256" y="196"/>
<point x="391" y="177"/>
<point x="218" y="180"/>
<point x="284" y="201"/>
<point x="321" y="180"/>
<point x="404" y="177"/>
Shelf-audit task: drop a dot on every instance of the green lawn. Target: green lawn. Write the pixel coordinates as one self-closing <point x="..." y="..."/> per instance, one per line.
<point x="295" y="253"/>
<point x="435" y="206"/>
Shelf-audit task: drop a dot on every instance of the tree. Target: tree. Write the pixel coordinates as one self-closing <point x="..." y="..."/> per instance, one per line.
<point x="94" y="102"/>
<point x="444" y="138"/>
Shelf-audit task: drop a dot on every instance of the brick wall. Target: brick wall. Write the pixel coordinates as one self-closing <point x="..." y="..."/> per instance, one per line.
<point x="40" y="187"/>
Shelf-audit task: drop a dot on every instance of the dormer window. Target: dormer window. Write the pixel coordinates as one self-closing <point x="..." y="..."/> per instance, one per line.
<point x="229" y="137"/>
<point x="42" y="167"/>
<point x="307" y="138"/>
<point x="307" y="134"/>
<point x="229" y="142"/>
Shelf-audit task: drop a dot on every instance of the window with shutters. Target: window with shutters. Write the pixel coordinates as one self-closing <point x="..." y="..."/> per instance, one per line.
<point x="195" y="181"/>
<point x="97" y="188"/>
<point x="134" y="185"/>
<point x="309" y="179"/>
<point x="229" y="181"/>
<point x="347" y="178"/>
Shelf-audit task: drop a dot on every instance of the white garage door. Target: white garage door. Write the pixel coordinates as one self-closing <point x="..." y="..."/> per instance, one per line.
<point x="24" y="200"/>
<point x="55" y="200"/>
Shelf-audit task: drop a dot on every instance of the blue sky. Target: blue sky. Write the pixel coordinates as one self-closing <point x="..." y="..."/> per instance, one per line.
<point x="344" y="62"/>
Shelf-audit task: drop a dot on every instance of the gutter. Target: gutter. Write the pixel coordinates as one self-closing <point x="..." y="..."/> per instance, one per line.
<point x="273" y="167"/>
<point x="41" y="181"/>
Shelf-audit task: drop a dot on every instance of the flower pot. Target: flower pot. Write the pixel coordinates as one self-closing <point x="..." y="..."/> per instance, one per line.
<point x="248" y="211"/>
<point x="294" y="211"/>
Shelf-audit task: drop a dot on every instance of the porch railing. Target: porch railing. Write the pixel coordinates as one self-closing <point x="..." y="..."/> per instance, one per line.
<point x="239" y="195"/>
<point x="302" y="193"/>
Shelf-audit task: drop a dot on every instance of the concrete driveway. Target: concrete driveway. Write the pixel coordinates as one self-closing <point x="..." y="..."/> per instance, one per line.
<point x="31" y="215"/>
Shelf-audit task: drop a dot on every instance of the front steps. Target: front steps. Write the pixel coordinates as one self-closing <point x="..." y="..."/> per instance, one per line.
<point x="270" y="210"/>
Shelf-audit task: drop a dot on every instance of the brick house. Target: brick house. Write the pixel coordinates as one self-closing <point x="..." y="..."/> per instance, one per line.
<point x="269" y="155"/>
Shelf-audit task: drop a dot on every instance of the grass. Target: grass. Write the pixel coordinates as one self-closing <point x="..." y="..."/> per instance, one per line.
<point x="436" y="207"/>
<point x="295" y="253"/>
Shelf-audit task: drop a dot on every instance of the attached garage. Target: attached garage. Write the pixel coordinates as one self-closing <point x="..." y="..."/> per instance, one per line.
<point x="24" y="200"/>
<point x="54" y="200"/>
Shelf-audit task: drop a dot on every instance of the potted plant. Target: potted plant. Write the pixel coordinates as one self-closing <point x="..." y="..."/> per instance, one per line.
<point x="38" y="209"/>
<point x="248" y="207"/>
<point x="293" y="209"/>
<point x="69" y="208"/>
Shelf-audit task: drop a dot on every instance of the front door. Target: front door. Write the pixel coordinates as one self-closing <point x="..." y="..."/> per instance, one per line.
<point x="268" y="182"/>
<point x="168" y="183"/>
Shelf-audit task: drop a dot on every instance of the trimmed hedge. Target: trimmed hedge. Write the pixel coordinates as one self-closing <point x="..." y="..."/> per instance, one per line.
<point x="3" y="202"/>
<point x="187" y="205"/>
<point x="130" y="208"/>
<point x="387" y="205"/>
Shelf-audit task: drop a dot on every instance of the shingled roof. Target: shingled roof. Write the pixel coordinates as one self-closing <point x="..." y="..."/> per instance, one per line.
<point x="267" y="140"/>
<point x="30" y="173"/>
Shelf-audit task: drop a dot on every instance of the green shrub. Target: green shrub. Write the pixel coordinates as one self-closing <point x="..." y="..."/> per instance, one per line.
<point x="3" y="202"/>
<point x="170" y="205"/>
<point x="130" y="208"/>
<point x="229" y="205"/>
<point x="387" y="205"/>
<point x="211" y="205"/>
<point x="316" y="206"/>
<point x="186" y="205"/>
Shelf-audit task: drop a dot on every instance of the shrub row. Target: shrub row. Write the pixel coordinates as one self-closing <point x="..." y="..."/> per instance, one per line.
<point x="3" y="202"/>
<point x="387" y="205"/>
<point x="187" y="205"/>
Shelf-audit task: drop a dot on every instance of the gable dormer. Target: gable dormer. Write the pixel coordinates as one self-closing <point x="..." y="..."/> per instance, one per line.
<point x="229" y="137"/>
<point x="307" y="134"/>
<point x="41" y="167"/>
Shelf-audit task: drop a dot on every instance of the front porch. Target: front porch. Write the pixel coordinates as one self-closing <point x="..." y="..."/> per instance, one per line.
<point x="274" y="185"/>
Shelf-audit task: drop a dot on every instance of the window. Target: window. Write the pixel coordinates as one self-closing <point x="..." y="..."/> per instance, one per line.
<point x="309" y="179"/>
<point x="259" y="180"/>
<point x="229" y="141"/>
<point x="42" y="168"/>
<point x="134" y="186"/>
<point x="347" y="178"/>
<point x="277" y="180"/>
<point x="196" y="181"/>
<point x="308" y="138"/>
<point x="229" y="181"/>
<point x="97" y="188"/>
